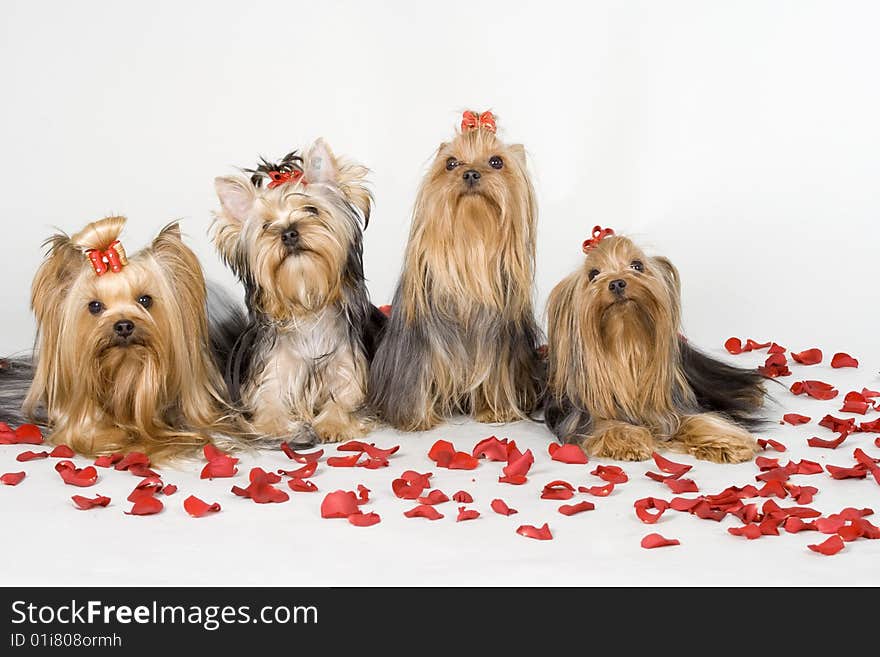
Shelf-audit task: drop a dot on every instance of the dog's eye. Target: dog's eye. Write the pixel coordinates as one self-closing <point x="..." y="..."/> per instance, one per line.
<point x="637" y="265"/>
<point x="145" y="300"/>
<point x="266" y="225"/>
<point x="451" y="163"/>
<point x="593" y="273"/>
<point x="311" y="209"/>
<point x="96" y="307"/>
<point x="496" y="162"/>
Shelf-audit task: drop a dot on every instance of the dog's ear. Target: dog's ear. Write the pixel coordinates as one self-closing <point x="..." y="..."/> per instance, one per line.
<point x="181" y="269"/>
<point x="237" y="197"/>
<point x="519" y="151"/>
<point x="53" y="279"/>
<point x="670" y="273"/>
<point x="322" y="166"/>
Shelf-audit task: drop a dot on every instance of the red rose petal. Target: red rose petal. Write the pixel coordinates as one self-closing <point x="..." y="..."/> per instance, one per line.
<point x="62" y="452"/>
<point x="131" y="459"/>
<point x="571" y="509"/>
<point x="443" y="453"/>
<point x="838" y="425"/>
<point x="870" y="427"/>
<point x="500" y="507"/>
<point x="363" y="494"/>
<point x="827" y="444"/>
<point x="867" y="462"/>
<point x="423" y="511"/>
<point x="652" y="541"/>
<point x="299" y="485"/>
<point x="466" y="514"/>
<point x="808" y="357"/>
<point x="380" y="452"/>
<point x="775" y="366"/>
<point x="385" y="310"/>
<point x="491" y="448"/>
<point x="734" y="346"/>
<point x="832" y="545"/>
<point x="304" y="472"/>
<point x="436" y="496"/>
<point x="260" y="489"/>
<point x="773" y="444"/>
<point x="765" y="463"/>
<point x="557" y="490"/>
<point x="611" y="473"/>
<point x="751" y="345"/>
<point x="683" y="503"/>
<point x="145" y="505"/>
<point x="855" y="402"/>
<point x="462" y="497"/>
<point x="776" y="349"/>
<point x="410" y="485"/>
<point x="541" y="533"/>
<point x="843" y="360"/>
<point x="364" y="519"/>
<point x="850" y="532"/>
<point x="795" y="419"/>
<point x="642" y="507"/>
<point x="571" y="454"/>
<point x="679" y="486"/>
<point x="198" y="508"/>
<point x="298" y="456"/>
<point x="516" y="480"/>
<point x="520" y="466"/>
<point x="169" y="489"/>
<point x="857" y="472"/>
<point x="74" y="476"/>
<point x="31" y="456"/>
<point x="815" y="389"/>
<point x="774" y="488"/>
<point x="108" y="460"/>
<point x="343" y="461"/>
<point x="340" y="504"/>
<point x="671" y="467"/>
<point x="793" y="525"/>
<point x="750" y="531"/>
<point x="598" y="491"/>
<point x="805" y="467"/>
<point x="86" y="503"/>
<point x="12" y="478"/>
<point x="28" y="434"/>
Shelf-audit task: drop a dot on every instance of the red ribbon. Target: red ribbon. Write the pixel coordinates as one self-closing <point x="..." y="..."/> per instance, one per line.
<point x="112" y="259"/>
<point x="599" y="234"/>
<point x="472" y="121"/>
<point x="281" y="177"/>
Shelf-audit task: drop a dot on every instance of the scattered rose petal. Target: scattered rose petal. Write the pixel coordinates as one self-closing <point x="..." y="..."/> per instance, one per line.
<point x="571" y="454"/>
<point x="260" y="489"/>
<point x="843" y="360"/>
<point x="808" y="357"/>
<point x="146" y="505"/>
<point x="298" y="485"/>
<point x="410" y="485"/>
<point x="444" y="454"/>
<point x="28" y="434"/>
<point x="750" y="531"/>
<point x="611" y="473"/>
<point x="652" y="541"/>
<point x="557" y="490"/>
<point x="436" y="496"/>
<point x="491" y="448"/>
<point x="765" y="463"/>
<point x="775" y="366"/>
<point x="198" y="508"/>
<point x="598" y="491"/>
<point x="340" y="504"/>
<point x="795" y="419"/>
<point x="751" y="345"/>
<point x="805" y="467"/>
<point x="12" y="478"/>
<point x="679" y="486"/>
<point x="364" y="519"/>
<point x="772" y="444"/>
<point x="303" y="472"/>
<point x="423" y="511"/>
<point x="132" y="459"/>
<point x="776" y="349"/>
<point x="31" y="456"/>
<point x="571" y="509"/>
<point x="299" y="457"/>
<point x="643" y="506"/>
<point x="857" y="472"/>
<point x="541" y="533"/>
<point x="774" y="488"/>
<point x="74" y="476"/>
<point x="871" y="427"/>
<point x="108" y="460"/>
<point x="855" y="402"/>
<point x="832" y="545"/>
<point x="827" y="444"/>
<point x="499" y="506"/>
<point x="671" y="467"/>
<point x="815" y="389"/>
<point x="169" y="489"/>
<point x="343" y="461"/>
<point x="734" y="346"/>
<point x="466" y="514"/>
<point x="363" y="494"/>
<point x="793" y="525"/>
<point x="463" y="497"/>
<point x="516" y="480"/>
<point x="62" y="452"/>
<point x="86" y="503"/>
<point x="520" y="466"/>
<point x="838" y="425"/>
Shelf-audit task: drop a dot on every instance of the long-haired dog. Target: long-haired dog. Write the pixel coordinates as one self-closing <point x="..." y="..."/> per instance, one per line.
<point x="292" y="233"/>
<point x="124" y="359"/>
<point x="622" y="380"/>
<point x="462" y="337"/>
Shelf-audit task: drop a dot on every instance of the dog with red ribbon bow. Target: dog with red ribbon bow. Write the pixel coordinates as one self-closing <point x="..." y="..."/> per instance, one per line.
<point x="462" y="337"/>
<point x="623" y="382"/>
<point x="124" y="357"/>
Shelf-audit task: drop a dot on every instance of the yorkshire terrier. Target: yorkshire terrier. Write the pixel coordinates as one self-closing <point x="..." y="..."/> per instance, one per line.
<point x="292" y="233"/>
<point x="623" y="382"/>
<point x="124" y="360"/>
<point x="462" y="337"/>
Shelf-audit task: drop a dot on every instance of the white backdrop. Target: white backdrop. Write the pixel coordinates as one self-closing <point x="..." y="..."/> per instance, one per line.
<point x="741" y="139"/>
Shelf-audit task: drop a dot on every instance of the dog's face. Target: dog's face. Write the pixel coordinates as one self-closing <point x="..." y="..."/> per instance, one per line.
<point x="291" y="243"/>
<point x="623" y="291"/>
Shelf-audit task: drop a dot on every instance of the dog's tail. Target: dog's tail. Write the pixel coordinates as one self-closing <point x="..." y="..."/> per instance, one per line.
<point x="16" y="376"/>
<point x="736" y="392"/>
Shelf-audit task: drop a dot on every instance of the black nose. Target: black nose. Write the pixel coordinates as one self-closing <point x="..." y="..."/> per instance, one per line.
<point x="617" y="286"/>
<point x="471" y="176"/>
<point x="123" y="328"/>
<point x="290" y="237"/>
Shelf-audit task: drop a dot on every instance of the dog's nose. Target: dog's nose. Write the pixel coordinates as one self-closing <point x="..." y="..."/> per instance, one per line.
<point x="290" y="237"/>
<point x="123" y="328"/>
<point x="471" y="176"/>
<point x="617" y="286"/>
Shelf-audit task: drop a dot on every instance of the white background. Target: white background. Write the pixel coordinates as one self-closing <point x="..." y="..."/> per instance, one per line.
<point x="741" y="139"/>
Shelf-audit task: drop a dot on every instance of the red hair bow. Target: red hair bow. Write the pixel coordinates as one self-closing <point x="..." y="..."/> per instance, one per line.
<point x="281" y="177"/>
<point x="599" y="234"/>
<point x="472" y="121"/>
<point x="112" y="259"/>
